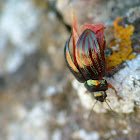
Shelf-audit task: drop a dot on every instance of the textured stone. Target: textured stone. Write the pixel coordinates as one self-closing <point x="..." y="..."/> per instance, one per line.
<point x="126" y="82"/>
<point x="37" y="99"/>
<point x="17" y="25"/>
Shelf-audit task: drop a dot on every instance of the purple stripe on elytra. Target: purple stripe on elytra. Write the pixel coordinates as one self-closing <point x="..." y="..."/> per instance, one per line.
<point x="79" y="55"/>
<point x="88" y="48"/>
<point x="83" y="57"/>
<point x="86" y="56"/>
<point x="101" y="59"/>
<point x="94" y="53"/>
<point x="93" y="66"/>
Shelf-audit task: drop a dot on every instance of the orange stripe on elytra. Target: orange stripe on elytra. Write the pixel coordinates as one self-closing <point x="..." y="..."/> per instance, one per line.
<point x="75" y="38"/>
<point x="70" y="62"/>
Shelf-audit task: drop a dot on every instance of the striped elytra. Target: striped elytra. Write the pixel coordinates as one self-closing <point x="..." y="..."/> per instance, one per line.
<point x="90" y="56"/>
<point x="90" y="68"/>
<point x="88" y="61"/>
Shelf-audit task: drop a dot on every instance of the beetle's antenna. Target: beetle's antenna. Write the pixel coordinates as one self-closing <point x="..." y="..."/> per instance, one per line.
<point x="91" y="110"/>
<point x="108" y="100"/>
<point x="111" y="108"/>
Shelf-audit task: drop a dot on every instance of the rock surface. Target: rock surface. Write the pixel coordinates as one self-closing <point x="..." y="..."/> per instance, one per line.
<point x="39" y="98"/>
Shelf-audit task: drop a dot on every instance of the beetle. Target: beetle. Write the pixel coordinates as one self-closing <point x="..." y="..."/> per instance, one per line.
<point x="88" y="64"/>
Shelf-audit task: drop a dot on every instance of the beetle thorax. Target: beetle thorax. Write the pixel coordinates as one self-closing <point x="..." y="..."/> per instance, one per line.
<point x="96" y="85"/>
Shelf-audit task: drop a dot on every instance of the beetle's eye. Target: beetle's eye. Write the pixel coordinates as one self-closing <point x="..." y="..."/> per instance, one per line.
<point x="100" y="98"/>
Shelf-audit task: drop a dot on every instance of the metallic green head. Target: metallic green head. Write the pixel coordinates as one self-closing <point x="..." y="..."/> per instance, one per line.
<point x="98" y="87"/>
<point x="100" y="96"/>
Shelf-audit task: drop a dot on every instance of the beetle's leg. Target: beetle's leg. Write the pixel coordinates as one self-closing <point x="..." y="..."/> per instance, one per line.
<point x="110" y="69"/>
<point x="115" y="91"/>
<point x="115" y="68"/>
